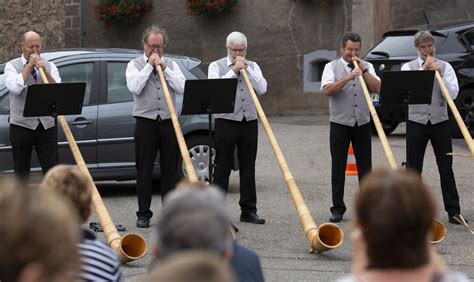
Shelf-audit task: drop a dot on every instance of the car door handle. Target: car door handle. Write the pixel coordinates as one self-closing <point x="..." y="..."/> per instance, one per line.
<point x="81" y="122"/>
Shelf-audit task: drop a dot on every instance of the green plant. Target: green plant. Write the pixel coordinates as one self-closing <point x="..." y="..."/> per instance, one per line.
<point x="209" y="7"/>
<point x="125" y="11"/>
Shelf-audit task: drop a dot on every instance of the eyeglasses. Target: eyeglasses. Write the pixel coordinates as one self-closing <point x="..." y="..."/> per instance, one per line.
<point x="153" y="47"/>
<point x="238" y="50"/>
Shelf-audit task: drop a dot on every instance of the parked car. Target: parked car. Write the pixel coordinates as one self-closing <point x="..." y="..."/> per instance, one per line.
<point x="454" y="44"/>
<point x="105" y="128"/>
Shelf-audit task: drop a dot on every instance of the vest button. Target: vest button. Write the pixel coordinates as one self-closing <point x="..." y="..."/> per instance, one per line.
<point x="241" y="89"/>
<point x="355" y="94"/>
<point x="355" y="106"/>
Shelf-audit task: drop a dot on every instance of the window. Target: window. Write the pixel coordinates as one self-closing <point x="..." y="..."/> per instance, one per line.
<point x="117" y="90"/>
<point x="78" y="73"/>
<point x="317" y="68"/>
<point x="468" y="38"/>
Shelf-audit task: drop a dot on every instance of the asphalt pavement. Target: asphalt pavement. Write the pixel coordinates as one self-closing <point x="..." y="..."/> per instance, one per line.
<point x="281" y="243"/>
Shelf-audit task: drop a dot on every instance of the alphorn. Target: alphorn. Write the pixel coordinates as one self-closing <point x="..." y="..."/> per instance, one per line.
<point x="327" y="236"/>
<point x="438" y="230"/>
<point x="462" y="127"/>
<point x="190" y="172"/>
<point x="457" y="117"/>
<point x="129" y="247"/>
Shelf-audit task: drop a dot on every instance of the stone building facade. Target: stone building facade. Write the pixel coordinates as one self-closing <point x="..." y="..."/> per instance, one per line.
<point x="284" y="35"/>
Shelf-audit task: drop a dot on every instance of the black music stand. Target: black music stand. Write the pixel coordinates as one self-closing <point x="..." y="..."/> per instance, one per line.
<point x="209" y="96"/>
<point x="54" y="99"/>
<point x="404" y="88"/>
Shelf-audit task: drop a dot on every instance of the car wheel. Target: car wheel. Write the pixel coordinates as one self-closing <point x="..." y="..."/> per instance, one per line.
<point x="465" y="104"/>
<point x="388" y="126"/>
<point x="199" y="153"/>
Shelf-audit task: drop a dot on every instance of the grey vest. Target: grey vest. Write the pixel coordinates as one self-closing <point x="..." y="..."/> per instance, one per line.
<point x="151" y="102"/>
<point x="435" y="112"/>
<point x="348" y="106"/>
<point x="17" y="102"/>
<point x="244" y="105"/>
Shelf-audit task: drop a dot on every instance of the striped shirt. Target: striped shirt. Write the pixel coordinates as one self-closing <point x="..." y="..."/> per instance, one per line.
<point x="98" y="261"/>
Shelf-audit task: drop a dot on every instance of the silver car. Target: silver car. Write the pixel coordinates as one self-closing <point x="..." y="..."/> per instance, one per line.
<point x="105" y="128"/>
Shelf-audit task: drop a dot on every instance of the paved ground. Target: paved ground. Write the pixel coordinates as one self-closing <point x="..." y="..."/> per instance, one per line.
<point x="281" y="243"/>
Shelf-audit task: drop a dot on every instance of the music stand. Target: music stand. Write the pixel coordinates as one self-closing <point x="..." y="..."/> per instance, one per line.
<point x="404" y="88"/>
<point x="209" y="96"/>
<point x="54" y="99"/>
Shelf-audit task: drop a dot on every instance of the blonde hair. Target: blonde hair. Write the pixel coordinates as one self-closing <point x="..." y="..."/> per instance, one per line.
<point x="72" y="184"/>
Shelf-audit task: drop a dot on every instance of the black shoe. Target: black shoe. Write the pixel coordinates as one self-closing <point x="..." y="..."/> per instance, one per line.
<point x="335" y="217"/>
<point x="252" y="218"/>
<point x="143" y="222"/>
<point x="456" y="219"/>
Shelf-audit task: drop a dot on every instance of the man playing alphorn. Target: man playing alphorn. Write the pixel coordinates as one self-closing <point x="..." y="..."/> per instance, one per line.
<point x="431" y="123"/>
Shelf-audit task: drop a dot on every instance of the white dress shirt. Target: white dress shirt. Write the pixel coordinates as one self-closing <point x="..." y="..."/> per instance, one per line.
<point x="14" y="80"/>
<point x="137" y="79"/>
<point x="254" y="73"/>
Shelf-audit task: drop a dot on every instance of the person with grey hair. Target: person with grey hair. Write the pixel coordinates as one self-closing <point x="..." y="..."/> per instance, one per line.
<point x="29" y="132"/>
<point x="430" y="122"/>
<point x="349" y="116"/>
<point x="239" y="128"/>
<point x="153" y="129"/>
<point x="197" y="219"/>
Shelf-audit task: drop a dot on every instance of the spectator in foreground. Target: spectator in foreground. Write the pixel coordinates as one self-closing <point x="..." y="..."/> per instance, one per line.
<point x="193" y="266"/>
<point x="38" y="235"/>
<point x="197" y="218"/>
<point x="98" y="261"/>
<point x="395" y="246"/>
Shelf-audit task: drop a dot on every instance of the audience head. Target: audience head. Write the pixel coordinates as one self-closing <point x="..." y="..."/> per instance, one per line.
<point x="395" y="212"/>
<point x="197" y="266"/>
<point x="72" y="184"/>
<point x="194" y="219"/>
<point x="39" y="235"/>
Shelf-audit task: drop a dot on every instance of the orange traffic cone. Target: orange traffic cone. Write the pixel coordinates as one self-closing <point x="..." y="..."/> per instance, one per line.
<point x="351" y="165"/>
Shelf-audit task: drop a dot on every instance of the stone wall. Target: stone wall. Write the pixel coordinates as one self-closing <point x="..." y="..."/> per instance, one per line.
<point x="18" y="16"/>
<point x="279" y="33"/>
<point x="410" y="13"/>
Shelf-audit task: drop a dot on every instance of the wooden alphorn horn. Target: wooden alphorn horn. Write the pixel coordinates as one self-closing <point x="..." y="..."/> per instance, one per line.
<point x="375" y="118"/>
<point x="457" y="117"/>
<point x="327" y="236"/>
<point x="438" y="230"/>
<point x="190" y="172"/>
<point x="129" y="247"/>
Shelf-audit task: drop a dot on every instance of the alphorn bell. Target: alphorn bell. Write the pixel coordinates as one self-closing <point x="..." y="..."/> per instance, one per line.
<point x="129" y="247"/>
<point x="190" y="172"/>
<point x="327" y="236"/>
<point x="438" y="230"/>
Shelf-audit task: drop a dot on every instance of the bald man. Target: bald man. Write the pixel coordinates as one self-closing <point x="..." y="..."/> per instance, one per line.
<point x="29" y="132"/>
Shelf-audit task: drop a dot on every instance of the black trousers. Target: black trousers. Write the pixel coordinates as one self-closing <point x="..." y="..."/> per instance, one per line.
<point x="244" y="135"/>
<point x="151" y="136"/>
<point x="339" y="138"/>
<point x="439" y="134"/>
<point x="45" y="142"/>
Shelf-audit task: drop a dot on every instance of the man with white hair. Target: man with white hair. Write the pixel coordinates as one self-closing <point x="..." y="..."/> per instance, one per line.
<point x="430" y="122"/>
<point x="239" y="128"/>
<point x="26" y="132"/>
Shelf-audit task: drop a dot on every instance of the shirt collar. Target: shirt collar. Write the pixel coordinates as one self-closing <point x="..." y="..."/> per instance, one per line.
<point x="420" y="61"/>
<point x="23" y="60"/>
<point x="229" y="61"/>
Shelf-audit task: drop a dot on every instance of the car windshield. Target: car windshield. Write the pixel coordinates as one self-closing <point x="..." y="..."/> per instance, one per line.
<point x="399" y="46"/>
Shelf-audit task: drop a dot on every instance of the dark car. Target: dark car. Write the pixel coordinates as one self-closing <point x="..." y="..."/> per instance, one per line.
<point x="105" y="128"/>
<point x="454" y="44"/>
